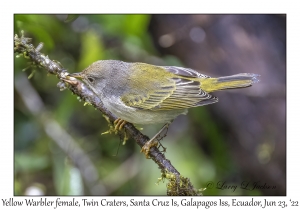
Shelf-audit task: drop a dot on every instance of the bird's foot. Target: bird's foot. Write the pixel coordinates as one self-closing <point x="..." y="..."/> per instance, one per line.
<point x="155" y="141"/>
<point x="147" y="146"/>
<point x="119" y="124"/>
<point x="116" y="127"/>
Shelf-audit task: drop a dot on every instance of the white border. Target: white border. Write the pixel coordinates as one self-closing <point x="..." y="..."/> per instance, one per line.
<point x="154" y="6"/>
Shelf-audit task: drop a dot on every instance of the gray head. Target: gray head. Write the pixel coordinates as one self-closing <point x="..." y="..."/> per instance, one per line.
<point x="104" y="76"/>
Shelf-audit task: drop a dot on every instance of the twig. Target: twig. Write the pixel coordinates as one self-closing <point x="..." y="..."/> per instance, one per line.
<point x="178" y="186"/>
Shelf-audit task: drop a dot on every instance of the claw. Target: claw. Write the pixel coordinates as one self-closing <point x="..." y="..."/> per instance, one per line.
<point x="147" y="146"/>
<point x="119" y="124"/>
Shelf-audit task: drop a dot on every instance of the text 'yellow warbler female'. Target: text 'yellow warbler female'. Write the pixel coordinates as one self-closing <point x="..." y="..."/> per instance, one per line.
<point x="145" y="94"/>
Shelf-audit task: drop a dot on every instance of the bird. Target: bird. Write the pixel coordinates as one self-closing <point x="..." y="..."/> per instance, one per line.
<point x="142" y="93"/>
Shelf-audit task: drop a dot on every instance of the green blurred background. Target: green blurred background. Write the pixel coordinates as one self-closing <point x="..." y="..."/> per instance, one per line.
<point x="58" y="146"/>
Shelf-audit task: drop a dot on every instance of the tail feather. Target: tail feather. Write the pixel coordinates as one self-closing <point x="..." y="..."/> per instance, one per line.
<point x="228" y="82"/>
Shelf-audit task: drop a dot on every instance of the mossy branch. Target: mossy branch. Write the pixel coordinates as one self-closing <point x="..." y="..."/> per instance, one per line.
<point x="178" y="185"/>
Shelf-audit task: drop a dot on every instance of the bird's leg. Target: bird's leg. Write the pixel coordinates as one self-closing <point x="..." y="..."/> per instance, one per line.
<point x="155" y="140"/>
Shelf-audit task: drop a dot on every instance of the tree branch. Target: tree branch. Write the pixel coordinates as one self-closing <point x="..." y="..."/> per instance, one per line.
<point x="178" y="185"/>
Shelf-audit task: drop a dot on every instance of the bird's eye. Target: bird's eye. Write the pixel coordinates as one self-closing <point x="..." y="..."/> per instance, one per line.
<point x="91" y="79"/>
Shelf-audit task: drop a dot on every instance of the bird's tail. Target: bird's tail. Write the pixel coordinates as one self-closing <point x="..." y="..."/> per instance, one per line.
<point x="234" y="81"/>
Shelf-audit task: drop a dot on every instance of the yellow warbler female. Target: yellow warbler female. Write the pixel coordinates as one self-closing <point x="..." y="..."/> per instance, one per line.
<point x="145" y="94"/>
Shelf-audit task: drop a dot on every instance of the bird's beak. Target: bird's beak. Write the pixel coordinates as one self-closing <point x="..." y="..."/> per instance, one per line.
<point x="76" y="75"/>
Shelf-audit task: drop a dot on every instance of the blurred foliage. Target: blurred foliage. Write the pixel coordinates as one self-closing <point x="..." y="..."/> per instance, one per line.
<point x="76" y="42"/>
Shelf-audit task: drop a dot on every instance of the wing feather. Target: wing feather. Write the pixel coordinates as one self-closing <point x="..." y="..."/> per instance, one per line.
<point x="180" y="90"/>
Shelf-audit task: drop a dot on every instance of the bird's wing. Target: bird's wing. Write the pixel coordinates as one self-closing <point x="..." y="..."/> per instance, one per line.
<point x="165" y="88"/>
